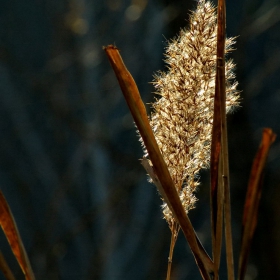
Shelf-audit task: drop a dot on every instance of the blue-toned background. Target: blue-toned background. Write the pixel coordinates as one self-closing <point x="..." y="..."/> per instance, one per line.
<point x="69" y="151"/>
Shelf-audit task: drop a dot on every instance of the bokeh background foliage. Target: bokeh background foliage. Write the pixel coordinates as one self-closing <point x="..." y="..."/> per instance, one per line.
<point x="69" y="150"/>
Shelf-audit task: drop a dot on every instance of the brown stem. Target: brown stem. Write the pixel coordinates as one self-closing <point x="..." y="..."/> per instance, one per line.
<point x="174" y="234"/>
<point x="167" y="188"/>
<point x="221" y="37"/>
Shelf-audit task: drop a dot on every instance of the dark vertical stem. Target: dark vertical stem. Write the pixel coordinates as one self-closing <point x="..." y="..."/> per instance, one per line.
<point x="221" y="37"/>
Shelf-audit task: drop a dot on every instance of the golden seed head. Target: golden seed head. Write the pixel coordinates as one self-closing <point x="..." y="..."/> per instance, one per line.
<point x="183" y="115"/>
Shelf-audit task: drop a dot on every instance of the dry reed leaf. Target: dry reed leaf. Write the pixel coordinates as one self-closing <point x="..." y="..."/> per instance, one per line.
<point x="216" y="210"/>
<point x="219" y="146"/>
<point x="4" y="267"/>
<point x="168" y="191"/>
<point x="220" y="191"/>
<point x="9" y="227"/>
<point x="252" y="199"/>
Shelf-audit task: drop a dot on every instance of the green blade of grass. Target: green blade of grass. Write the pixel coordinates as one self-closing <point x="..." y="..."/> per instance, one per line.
<point x="252" y="200"/>
<point x="168" y="191"/>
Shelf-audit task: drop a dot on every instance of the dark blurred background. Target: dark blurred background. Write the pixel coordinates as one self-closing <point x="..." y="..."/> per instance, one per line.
<point x="69" y="151"/>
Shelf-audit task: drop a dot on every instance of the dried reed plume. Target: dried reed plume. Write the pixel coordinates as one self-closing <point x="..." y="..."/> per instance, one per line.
<point x="183" y="115"/>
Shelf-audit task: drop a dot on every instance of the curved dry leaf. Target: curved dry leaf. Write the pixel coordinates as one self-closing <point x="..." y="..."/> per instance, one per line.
<point x="9" y="227"/>
<point x="252" y="200"/>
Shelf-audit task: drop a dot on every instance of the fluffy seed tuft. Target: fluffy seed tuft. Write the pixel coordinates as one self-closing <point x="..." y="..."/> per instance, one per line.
<point x="183" y="115"/>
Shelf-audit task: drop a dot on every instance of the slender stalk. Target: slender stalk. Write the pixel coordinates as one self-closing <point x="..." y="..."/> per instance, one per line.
<point x="224" y="154"/>
<point x="219" y="222"/>
<point x="221" y="89"/>
<point x="174" y="234"/>
<point x="218" y="155"/>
